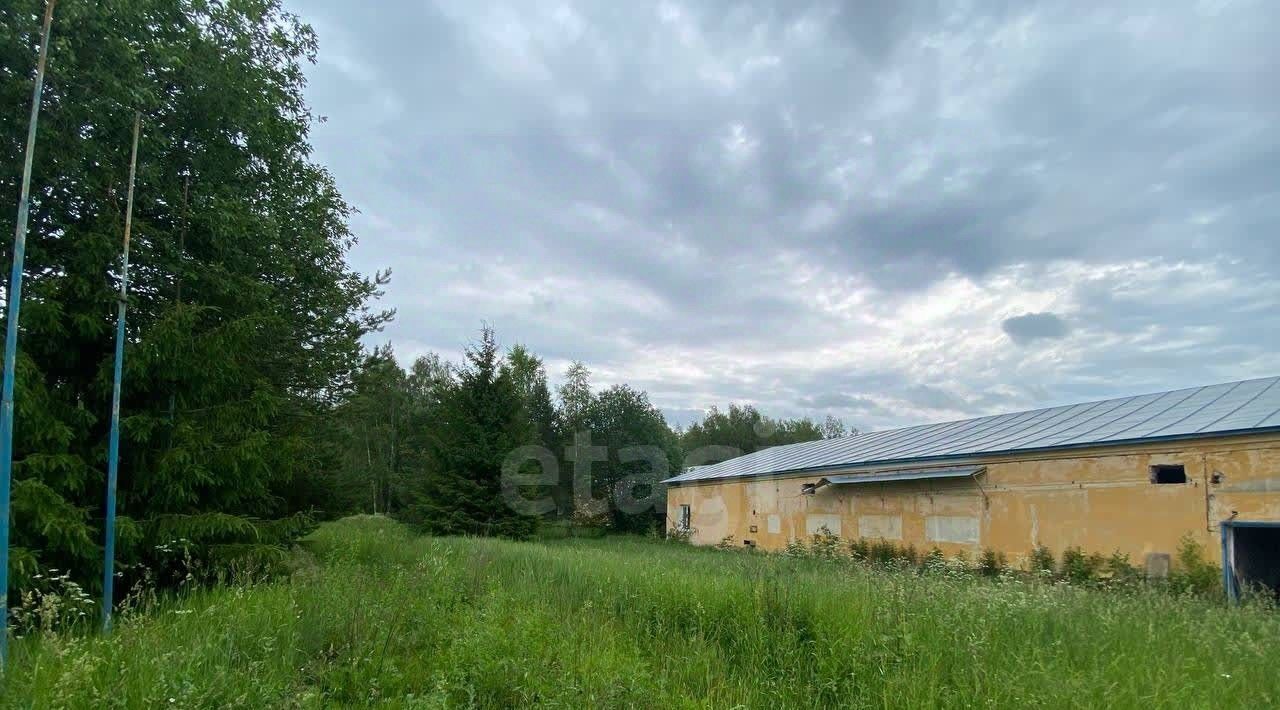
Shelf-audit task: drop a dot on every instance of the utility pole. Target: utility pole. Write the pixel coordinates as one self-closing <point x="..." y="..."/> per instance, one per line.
<point x="113" y="443"/>
<point x="11" y="335"/>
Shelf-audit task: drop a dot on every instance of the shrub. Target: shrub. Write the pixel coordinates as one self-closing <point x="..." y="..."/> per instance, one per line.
<point x="1117" y="570"/>
<point x="934" y="561"/>
<point x="1041" y="562"/>
<point x="1193" y="574"/>
<point x="991" y="563"/>
<point x="909" y="556"/>
<point x="882" y="552"/>
<point x="1079" y="568"/>
<point x="682" y="536"/>
<point x="824" y="544"/>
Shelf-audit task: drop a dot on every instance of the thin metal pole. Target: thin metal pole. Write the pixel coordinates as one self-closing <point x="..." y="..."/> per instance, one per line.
<point x="11" y="335"/>
<point x="113" y="443"/>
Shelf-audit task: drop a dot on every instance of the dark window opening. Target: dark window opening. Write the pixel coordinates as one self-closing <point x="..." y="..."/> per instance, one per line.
<point x="1253" y="556"/>
<point x="685" y="517"/>
<point x="749" y="543"/>
<point x="1176" y="473"/>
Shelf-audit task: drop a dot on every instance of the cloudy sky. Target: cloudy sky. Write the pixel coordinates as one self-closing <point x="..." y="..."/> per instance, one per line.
<point x="895" y="212"/>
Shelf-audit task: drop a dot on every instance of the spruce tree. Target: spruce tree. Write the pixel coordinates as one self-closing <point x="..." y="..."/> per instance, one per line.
<point x="481" y="420"/>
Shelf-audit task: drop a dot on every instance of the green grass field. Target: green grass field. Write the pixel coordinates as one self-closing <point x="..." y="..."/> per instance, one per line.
<point x="374" y="616"/>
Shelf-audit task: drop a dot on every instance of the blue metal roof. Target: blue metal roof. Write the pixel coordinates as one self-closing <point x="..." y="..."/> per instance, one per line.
<point x="1232" y="408"/>
<point x="911" y="474"/>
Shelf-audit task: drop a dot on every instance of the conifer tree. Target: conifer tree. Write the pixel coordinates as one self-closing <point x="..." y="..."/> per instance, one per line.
<point x="481" y="420"/>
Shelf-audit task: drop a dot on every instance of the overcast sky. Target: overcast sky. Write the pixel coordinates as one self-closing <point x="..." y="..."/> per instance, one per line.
<point x="895" y="212"/>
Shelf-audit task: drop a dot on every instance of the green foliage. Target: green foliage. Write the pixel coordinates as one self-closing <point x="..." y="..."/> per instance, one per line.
<point x="933" y="560"/>
<point x="742" y="429"/>
<point x="1119" y="572"/>
<point x="1079" y="567"/>
<point x="375" y="431"/>
<point x="481" y="420"/>
<point x="1192" y="572"/>
<point x="374" y="616"/>
<point x="882" y="552"/>
<point x="1041" y="561"/>
<point x="427" y="445"/>
<point x="640" y="452"/>
<point x="992" y="563"/>
<point x="683" y="536"/>
<point x="824" y="544"/>
<point x="244" y="320"/>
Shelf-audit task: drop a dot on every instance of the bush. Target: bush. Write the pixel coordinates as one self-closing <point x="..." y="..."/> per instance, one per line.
<point x="882" y="552"/>
<point x="1041" y="562"/>
<point x="934" y="561"/>
<point x="1193" y="574"/>
<point x="910" y="556"/>
<point x="1079" y="568"/>
<point x="991" y="563"/>
<point x="682" y="536"/>
<point x="1118" y="571"/>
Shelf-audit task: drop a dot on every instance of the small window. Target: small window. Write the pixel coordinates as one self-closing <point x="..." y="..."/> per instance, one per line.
<point x="686" y="515"/>
<point x="1176" y="473"/>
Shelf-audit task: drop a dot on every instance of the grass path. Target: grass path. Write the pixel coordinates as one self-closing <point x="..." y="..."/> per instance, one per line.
<point x="374" y="616"/>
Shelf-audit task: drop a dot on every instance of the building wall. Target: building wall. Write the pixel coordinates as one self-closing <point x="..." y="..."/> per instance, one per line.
<point x="1101" y="500"/>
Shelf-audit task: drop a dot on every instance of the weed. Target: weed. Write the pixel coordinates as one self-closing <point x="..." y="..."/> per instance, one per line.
<point x="374" y="616"/>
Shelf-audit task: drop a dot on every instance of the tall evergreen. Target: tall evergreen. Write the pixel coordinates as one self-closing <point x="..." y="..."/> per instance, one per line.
<point x="244" y="318"/>
<point x="481" y="420"/>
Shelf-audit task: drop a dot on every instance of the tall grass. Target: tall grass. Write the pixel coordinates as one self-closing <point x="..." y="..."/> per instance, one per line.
<point x="373" y="615"/>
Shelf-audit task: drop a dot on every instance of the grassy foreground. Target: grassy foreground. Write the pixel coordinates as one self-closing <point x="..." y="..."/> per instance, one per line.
<point x="374" y="615"/>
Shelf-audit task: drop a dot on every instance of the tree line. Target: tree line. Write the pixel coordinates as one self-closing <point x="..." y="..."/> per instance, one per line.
<point x="427" y="444"/>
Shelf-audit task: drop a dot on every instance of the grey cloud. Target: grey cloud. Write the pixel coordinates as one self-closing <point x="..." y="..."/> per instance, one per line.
<point x="569" y="173"/>
<point x="839" y="400"/>
<point x="1030" y="327"/>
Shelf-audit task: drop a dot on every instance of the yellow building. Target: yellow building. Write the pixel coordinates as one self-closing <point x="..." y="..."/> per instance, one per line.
<point x="1133" y="475"/>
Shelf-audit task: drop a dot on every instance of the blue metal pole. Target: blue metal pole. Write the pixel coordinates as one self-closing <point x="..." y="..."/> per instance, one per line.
<point x="113" y="443"/>
<point x="11" y="336"/>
